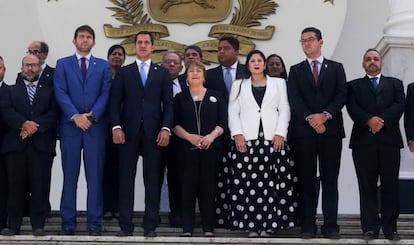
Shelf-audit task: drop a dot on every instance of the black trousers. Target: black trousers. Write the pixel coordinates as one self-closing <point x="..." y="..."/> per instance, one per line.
<point x="111" y="178"/>
<point x="198" y="174"/>
<point x="170" y="162"/>
<point x="28" y="168"/>
<point x="307" y="153"/>
<point x="129" y="153"/>
<point x="373" y="162"/>
<point x="3" y="194"/>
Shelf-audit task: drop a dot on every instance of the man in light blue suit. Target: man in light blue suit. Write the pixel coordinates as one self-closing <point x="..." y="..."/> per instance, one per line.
<point x="82" y="86"/>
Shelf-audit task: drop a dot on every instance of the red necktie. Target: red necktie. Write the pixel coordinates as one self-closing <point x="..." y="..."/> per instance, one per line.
<point x="315" y="70"/>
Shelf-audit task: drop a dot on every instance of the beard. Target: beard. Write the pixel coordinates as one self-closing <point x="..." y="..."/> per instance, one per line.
<point x="30" y="78"/>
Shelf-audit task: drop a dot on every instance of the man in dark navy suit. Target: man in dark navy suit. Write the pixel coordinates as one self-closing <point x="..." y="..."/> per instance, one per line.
<point x="3" y="176"/>
<point x="376" y="104"/>
<point x="221" y="77"/>
<point x="317" y="92"/>
<point x="30" y="113"/>
<point x="142" y="127"/>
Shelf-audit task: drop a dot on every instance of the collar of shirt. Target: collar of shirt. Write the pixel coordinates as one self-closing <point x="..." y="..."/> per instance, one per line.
<point x="233" y="67"/>
<point x="88" y="57"/>
<point x="377" y="76"/>
<point x="319" y="59"/>
<point x="148" y="62"/>
<point x="29" y="83"/>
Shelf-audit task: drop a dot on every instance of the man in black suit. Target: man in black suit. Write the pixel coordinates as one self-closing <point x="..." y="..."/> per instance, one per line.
<point x="30" y="113"/>
<point x="409" y="117"/>
<point x="144" y="92"/>
<point x="41" y="50"/>
<point x="317" y="92"/>
<point x="221" y="77"/>
<point x="191" y="53"/>
<point x="171" y="61"/>
<point x="376" y="104"/>
<point x="3" y="176"/>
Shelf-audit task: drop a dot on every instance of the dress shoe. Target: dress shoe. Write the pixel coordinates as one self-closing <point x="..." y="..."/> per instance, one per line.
<point x="122" y="233"/>
<point x="208" y="234"/>
<point x="393" y="236"/>
<point x="150" y="233"/>
<point x="94" y="233"/>
<point x="67" y="232"/>
<point x="186" y="234"/>
<point x="307" y="235"/>
<point x="370" y="235"/>
<point x="39" y="232"/>
<point x="332" y="235"/>
<point x="264" y="234"/>
<point x="8" y="232"/>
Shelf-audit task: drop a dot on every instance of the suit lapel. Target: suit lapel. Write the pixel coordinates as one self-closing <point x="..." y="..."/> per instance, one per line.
<point x="382" y="84"/>
<point x="23" y="90"/>
<point x="308" y="72"/>
<point x="91" y="68"/>
<point x="322" y="72"/>
<point x="151" y="75"/>
<point x="76" y="69"/>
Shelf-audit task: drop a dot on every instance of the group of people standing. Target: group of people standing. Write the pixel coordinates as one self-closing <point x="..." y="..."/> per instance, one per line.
<point x="246" y="141"/>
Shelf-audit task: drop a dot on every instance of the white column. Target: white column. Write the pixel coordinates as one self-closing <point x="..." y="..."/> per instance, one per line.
<point x="401" y="20"/>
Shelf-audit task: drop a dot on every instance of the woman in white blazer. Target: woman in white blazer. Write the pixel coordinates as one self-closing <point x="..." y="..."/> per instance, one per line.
<point x="259" y="113"/>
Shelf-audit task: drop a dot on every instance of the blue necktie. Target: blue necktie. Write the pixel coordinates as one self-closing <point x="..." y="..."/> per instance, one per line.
<point x="228" y="79"/>
<point x="143" y="74"/>
<point x="374" y="82"/>
<point x="31" y="90"/>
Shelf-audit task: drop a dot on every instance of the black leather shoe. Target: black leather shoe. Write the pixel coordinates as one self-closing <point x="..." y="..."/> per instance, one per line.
<point x="8" y="232"/>
<point x="67" y="232"/>
<point x="186" y="234"/>
<point x="393" y="236"/>
<point x="94" y="233"/>
<point x="150" y="233"/>
<point x="370" y="235"/>
<point x="39" y="232"/>
<point x="307" y="235"/>
<point x="122" y="233"/>
<point x="332" y="235"/>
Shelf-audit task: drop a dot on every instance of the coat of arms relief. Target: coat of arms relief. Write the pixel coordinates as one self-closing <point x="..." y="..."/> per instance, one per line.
<point x="245" y="23"/>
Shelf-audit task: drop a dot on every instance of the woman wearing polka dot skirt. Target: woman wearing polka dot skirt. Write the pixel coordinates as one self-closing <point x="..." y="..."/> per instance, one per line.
<point x="200" y="117"/>
<point x="261" y="193"/>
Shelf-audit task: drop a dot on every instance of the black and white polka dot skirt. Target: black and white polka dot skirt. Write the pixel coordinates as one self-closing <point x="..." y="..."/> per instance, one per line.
<point x="256" y="189"/>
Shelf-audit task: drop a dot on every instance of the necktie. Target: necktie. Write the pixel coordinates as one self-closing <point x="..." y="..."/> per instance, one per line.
<point x="83" y="68"/>
<point x="227" y="78"/>
<point x="143" y="74"/>
<point x="374" y="82"/>
<point x="315" y="70"/>
<point x="31" y="90"/>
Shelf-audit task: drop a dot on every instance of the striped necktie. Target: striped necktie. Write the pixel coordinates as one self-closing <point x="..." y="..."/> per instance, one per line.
<point x="31" y="90"/>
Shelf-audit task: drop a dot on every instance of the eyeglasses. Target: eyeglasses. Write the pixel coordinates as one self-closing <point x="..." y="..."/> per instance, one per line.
<point x="32" y="65"/>
<point x="171" y="62"/>
<point x="309" y="40"/>
<point x="35" y="52"/>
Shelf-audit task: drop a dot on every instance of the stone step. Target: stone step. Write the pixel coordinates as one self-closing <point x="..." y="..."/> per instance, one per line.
<point x="350" y="230"/>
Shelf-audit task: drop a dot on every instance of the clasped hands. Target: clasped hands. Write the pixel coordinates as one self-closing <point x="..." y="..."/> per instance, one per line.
<point x="317" y="122"/>
<point x="375" y="124"/>
<point x="28" y="129"/>
<point x="201" y="142"/>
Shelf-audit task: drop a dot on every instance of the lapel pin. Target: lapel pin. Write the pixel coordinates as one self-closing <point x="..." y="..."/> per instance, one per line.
<point x="326" y="65"/>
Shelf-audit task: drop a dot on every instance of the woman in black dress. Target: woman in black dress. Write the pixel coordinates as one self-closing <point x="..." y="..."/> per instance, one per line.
<point x="200" y="119"/>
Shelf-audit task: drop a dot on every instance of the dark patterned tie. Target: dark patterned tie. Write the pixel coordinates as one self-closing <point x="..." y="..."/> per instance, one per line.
<point x="83" y="68"/>
<point x="315" y="70"/>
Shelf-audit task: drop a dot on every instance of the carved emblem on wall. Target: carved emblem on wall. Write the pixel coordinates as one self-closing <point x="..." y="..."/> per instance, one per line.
<point x="243" y="25"/>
